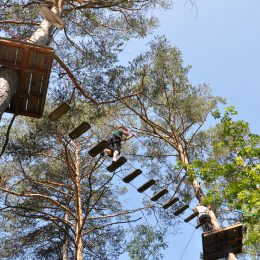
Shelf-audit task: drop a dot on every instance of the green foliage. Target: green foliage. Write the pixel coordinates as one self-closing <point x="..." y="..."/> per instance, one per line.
<point x="146" y="243"/>
<point x="231" y="173"/>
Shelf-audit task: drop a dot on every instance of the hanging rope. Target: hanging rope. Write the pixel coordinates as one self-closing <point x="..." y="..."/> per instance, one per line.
<point x="72" y="95"/>
<point x="187" y="244"/>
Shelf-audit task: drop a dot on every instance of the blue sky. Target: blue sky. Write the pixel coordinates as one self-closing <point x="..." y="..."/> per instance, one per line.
<point x="221" y="40"/>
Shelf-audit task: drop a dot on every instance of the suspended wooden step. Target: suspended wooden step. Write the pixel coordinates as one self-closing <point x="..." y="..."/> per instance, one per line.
<point x="202" y="223"/>
<point x="132" y="176"/>
<point x="115" y="165"/>
<point x="81" y="129"/>
<point x="195" y="214"/>
<point x="59" y="111"/>
<point x="215" y="243"/>
<point x="181" y="210"/>
<point x="170" y="203"/>
<point x="159" y="194"/>
<point x="98" y="148"/>
<point x="146" y="186"/>
<point x="33" y="65"/>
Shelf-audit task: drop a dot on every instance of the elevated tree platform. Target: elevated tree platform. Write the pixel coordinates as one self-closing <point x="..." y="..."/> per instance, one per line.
<point x="33" y="62"/>
<point x="216" y="243"/>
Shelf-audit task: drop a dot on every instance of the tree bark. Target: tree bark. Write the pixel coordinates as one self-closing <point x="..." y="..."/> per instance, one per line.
<point x="8" y="87"/>
<point x="66" y="241"/>
<point x="79" y="217"/>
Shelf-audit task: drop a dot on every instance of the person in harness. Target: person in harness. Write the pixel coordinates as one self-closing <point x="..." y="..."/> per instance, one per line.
<point x="114" y="148"/>
<point x="203" y="218"/>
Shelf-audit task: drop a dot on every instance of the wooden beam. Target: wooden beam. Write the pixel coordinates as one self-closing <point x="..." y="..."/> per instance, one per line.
<point x="132" y="176"/>
<point x="180" y="210"/>
<point x="81" y="129"/>
<point x="59" y="111"/>
<point x="159" y="194"/>
<point x="195" y="214"/>
<point x="170" y="203"/>
<point x="146" y="186"/>
<point x="115" y="165"/>
<point x="97" y="149"/>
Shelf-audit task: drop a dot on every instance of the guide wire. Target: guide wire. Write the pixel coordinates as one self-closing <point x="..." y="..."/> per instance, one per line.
<point x="144" y="192"/>
<point x="108" y="112"/>
<point x="187" y="244"/>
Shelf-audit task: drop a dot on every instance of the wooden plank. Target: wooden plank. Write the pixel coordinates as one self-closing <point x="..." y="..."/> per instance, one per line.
<point x="97" y="149"/>
<point x="40" y="61"/>
<point x="146" y="186"/>
<point x="27" y="57"/>
<point x="80" y="130"/>
<point x="115" y="165"/>
<point x="59" y="111"/>
<point x="20" y="44"/>
<point x="31" y="58"/>
<point x="46" y="81"/>
<point x="215" y="242"/>
<point x="132" y="176"/>
<point x="231" y="227"/>
<point x="11" y="54"/>
<point x="181" y="210"/>
<point x="19" y="55"/>
<point x="170" y="203"/>
<point x="3" y="52"/>
<point x="33" y="105"/>
<point x="35" y="87"/>
<point x="159" y="194"/>
<point x="9" y="65"/>
<point x="202" y="223"/>
<point x="18" y="101"/>
<point x="22" y="107"/>
<point x="189" y="218"/>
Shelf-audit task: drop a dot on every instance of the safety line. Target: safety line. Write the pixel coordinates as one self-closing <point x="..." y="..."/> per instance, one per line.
<point x="187" y="244"/>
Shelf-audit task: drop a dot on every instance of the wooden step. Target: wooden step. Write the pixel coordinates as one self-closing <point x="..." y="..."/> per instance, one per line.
<point x="115" y="165"/>
<point x="170" y="203"/>
<point x="59" y="111"/>
<point x="132" y="176"/>
<point x="159" y="194"/>
<point x="97" y="149"/>
<point x="80" y="130"/>
<point x="195" y="214"/>
<point x="181" y="210"/>
<point x="146" y="186"/>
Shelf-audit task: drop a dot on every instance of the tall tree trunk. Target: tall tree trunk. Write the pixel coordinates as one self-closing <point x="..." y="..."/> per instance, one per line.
<point x="8" y="77"/>
<point x="66" y="241"/>
<point x="200" y="197"/>
<point x="79" y="220"/>
<point x="8" y="86"/>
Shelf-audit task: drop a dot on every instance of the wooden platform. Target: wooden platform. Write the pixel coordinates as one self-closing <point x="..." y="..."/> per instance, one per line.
<point x="33" y="63"/>
<point x="216" y="242"/>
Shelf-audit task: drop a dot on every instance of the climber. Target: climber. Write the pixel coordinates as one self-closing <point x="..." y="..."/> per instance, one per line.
<point x="203" y="218"/>
<point x="114" y="148"/>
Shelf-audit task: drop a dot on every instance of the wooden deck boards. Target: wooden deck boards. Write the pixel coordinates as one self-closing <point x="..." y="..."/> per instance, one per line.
<point x="34" y="64"/>
<point x="215" y="243"/>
